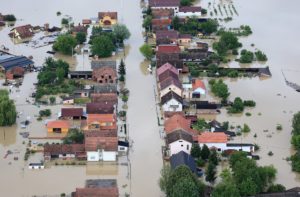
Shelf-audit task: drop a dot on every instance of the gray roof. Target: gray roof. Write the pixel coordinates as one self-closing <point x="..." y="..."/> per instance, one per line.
<point x="238" y="144"/>
<point x="164" y="3"/>
<point x="171" y="95"/>
<point x="109" y="88"/>
<point x="100" y="183"/>
<point x="166" y="74"/>
<point x="178" y="135"/>
<point x="182" y="158"/>
<point x="15" y="61"/>
<point x="103" y="63"/>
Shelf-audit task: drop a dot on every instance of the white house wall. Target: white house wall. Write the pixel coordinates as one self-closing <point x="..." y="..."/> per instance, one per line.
<point x="221" y="146"/>
<point x="173" y="102"/>
<point x="180" y="145"/>
<point x="189" y="14"/>
<point x="109" y="156"/>
<point x="93" y="156"/>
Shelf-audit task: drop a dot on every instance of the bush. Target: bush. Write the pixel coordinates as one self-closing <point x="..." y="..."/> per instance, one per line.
<point x="64" y="21"/>
<point x="235" y="52"/>
<point x="256" y="147"/>
<point x="246" y="56"/>
<point x="248" y="114"/>
<point x="81" y="37"/>
<point x="233" y="74"/>
<point x="249" y="103"/>
<point x="10" y="18"/>
<point x="102" y="46"/>
<point x="45" y="113"/>
<point x="260" y="56"/>
<point x="246" y="129"/>
<point x="147" y="51"/>
<point x="279" y="127"/>
<point x="65" y="44"/>
<point x="270" y="153"/>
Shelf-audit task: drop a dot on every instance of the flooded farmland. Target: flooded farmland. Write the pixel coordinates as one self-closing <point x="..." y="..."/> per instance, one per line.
<point x="275" y="26"/>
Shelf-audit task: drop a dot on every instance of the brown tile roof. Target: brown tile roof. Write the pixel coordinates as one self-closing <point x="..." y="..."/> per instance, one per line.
<point x="71" y="112"/>
<point x="178" y="135"/>
<point x="104" y="73"/>
<point x="164" y="3"/>
<point x="189" y="9"/>
<point x="170" y="81"/>
<point x="168" y="49"/>
<point x="112" y="15"/>
<point x="56" y="149"/>
<point x="169" y="96"/>
<point x="169" y="114"/>
<point x="210" y="137"/>
<point x="103" y="139"/>
<point x="162" y="13"/>
<point x="86" y="21"/>
<point x="168" y="73"/>
<point x="97" y="192"/>
<point x="108" y="98"/>
<point x="100" y="108"/>
<point x="25" y="31"/>
<point x="165" y="67"/>
<point x="159" y="24"/>
<point x="171" y="34"/>
<point x="79" y="28"/>
<point x="58" y="124"/>
<point x="101" y="118"/>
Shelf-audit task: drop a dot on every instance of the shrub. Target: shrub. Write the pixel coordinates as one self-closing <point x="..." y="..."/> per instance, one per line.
<point x="279" y="127"/>
<point x="260" y="56"/>
<point x="246" y="129"/>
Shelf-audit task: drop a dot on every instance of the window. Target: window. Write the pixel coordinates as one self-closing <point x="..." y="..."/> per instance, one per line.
<point x="187" y="147"/>
<point x="122" y="148"/>
<point x="181" y="145"/>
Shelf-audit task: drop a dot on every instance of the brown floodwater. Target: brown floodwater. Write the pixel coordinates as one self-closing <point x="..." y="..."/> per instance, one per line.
<point x="276" y="28"/>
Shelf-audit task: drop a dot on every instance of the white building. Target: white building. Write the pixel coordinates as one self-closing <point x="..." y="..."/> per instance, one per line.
<point x="172" y="102"/>
<point x="101" y="155"/>
<point x="217" y="141"/>
<point x="187" y="11"/>
<point x="240" y="147"/>
<point x="179" y="140"/>
<point x="165" y="4"/>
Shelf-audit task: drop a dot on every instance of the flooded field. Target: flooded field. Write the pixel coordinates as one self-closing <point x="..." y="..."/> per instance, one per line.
<point x="275" y="26"/>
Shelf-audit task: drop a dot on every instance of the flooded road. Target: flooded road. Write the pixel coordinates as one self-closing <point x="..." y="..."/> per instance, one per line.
<point x="276" y="28"/>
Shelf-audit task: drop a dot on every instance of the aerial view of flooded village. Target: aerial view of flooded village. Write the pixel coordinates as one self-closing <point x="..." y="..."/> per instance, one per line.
<point x="149" y="98"/>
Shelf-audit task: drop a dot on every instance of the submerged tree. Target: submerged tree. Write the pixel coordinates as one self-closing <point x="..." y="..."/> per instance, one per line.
<point x="8" y="114"/>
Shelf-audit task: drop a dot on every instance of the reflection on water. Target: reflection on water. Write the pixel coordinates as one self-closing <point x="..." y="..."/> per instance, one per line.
<point x="7" y="135"/>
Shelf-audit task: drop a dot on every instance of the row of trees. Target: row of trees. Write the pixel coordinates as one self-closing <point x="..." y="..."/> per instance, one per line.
<point x="296" y="142"/>
<point x="8" y="114"/>
<point x="220" y="89"/>
<point x="239" y="105"/>
<point x="228" y="41"/>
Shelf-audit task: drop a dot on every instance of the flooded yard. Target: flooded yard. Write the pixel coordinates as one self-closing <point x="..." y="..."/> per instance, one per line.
<point x="275" y="26"/>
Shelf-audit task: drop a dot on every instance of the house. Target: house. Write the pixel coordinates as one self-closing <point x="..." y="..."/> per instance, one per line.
<point x="105" y="75"/>
<point x="81" y="93"/>
<point x="166" y="67"/>
<point x="170" y="84"/>
<point x="171" y="35"/>
<point x="162" y="13"/>
<point x="216" y="141"/>
<point x="182" y="158"/>
<point x="167" y="74"/>
<point x="101" y="145"/>
<point x="108" y="98"/>
<point x="123" y="146"/>
<point x="101" y="122"/>
<point x="72" y="113"/>
<point x="68" y="101"/>
<point x="98" y="188"/>
<point x="79" y="29"/>
<point x="198" y="87"/>
<point x="189" y="11"/>
<point x="161" y="24"/>
<point x="169" y="54"/>
<point x="177" y="121"/>
<point x="240" y="147"/>
<point x="102" y="89"/>
<point x="103" y="63"/>
<point x="64" y="151"/>
<point x="86" y="22"/>
<point x="15" y="73"/>
<point x="100" y="108"/>
<point x="107" y="18"/>
<point x="165" y="4"/>
<point x="184" y="39"/>
<point x="171" y="102"/>
<point x="179" y="140"/>
<point x="58" y="126"/>
<point x="8" y="62"/>
<point x="22" y="32"/>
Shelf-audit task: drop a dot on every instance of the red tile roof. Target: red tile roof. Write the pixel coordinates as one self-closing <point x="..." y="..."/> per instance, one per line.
<point x="168" y="49"/>
<point x="197" y="83"/>
<point x="171" y="34"/>
<point x="210" y="137"/>
<point x="165" y="67"/>
<point x="58" y="124"/>
<point x="71" y="112"/>
<point x="101" y="118"/>
<point x="177" y="121"/>
<point x="108" y="98"/>
<point x="97" y="192"/>
<point x="86" y="21"/>
<point x="56" y="149"/>
<point x="100" y="108"/>
<point x="161" y="22"/>
<point x="103" y="139"/>
<point x="162" y="13"/>
<point x="112" y="15"/>
<point x="164" y="3"/>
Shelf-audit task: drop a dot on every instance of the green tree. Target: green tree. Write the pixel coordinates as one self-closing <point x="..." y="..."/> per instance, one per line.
<point x="191" y="184"/>
<point x="102" y="46"/>
<point x="64" y="21"/>
<point x="220" y="89"/>
<point x="276" y="188"/>
<point x="205" y="152"/>
<point x="10" y="18"/>
<point x="237" y="106"/>
<point x="52" y="99"/>
<point x="201" y="124"/>
<point x="147" y="23"/>
<point x="176" y="23"/>
<point x="122" y="68"/>
<point x="296" y="124"/>
<point x="196" y="150"/>
<point x="227" y="187"/>
<point x="211" y="173"/>
<point x="81" y="37"/>
<point x="60" y="73"/>
<point x="296" y="162"/>
<point x="246" y="56"/>
<point x="65" y="44"/>
<point x="122" y="78"/>
<point x="260" y="56"/>
<point x="185" y="2"/>
<point x="147" y="51"/>
<point x="228" y="41"/>
<point x="74" y="136"/>
<point x="121" y="32"/>
<point x="210" y="26"/>
<point x="213" y="157"/>
<point x="246" y="129"/>
<point x="165" y="174"/>
<point x="8" y="114"/>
